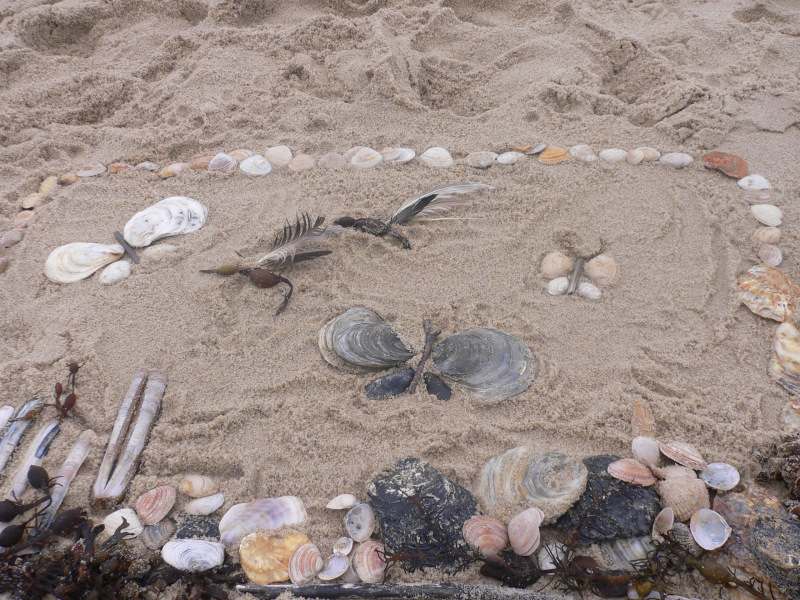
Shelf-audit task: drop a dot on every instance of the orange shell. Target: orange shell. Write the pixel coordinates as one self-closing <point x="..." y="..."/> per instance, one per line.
<point x="201" y="162"/>
<point x="118" y="167"/>
<point x="486" y="535"/>
<point x="265" y="557"/>
<point x="729" y="164"/>
<point x="552" y="155"/>
<point x="631" y="471"/>
<point x="172" y="170"/>
<point x="785" y="365"/>
<point x="68" y="178"/>
<point x="684" y="454"/>
<point x="643" y="422"/>
<point x="154" y="505"/>
<point x="768" y="293"/>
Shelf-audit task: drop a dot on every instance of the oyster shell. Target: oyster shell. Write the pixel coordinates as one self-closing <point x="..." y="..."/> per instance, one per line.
<point x="603" y="270"/>
<point x="256" y="165"/>
<point x="342" y="501"/>
<point x="510" y="158"/>
<point x="193" y="555"/>
<point x="115" y="272"/>
<point x="676" y="160"/>
<point x="114" y="521"/>
<point x="770" y="255"/>
<point x="556" y="264"/>
<point x="264" y="514"/>
<point x="480" y="160"/>
<point x="368" y="561"/>
<point x="76" y="261"/>
<point x="729" y="164"/>
<point x="720" y="476"/>
<point x="154" y="505"/>
<point x="91" y="170"/>
<point x="489" y="363"/>
<point x="753" y="183"/>
<point x="278" y="156"/>
<point x="768" y="293"/>
<point x="436" y="157"/>
<point x="767" y="235"/>
<point x="486" y="535"/>
<point x="305" y="562"/>
<point x="709" y="529"/>
<point x="155" y="536"/>
<point x="785" y="365"/>
<point x="614" y="156"/>
<point x="302" y="162"/>
<point x="172" y="216"/>
<point x="684" y="454"/>
<point x="552" y="155"/>
<point x="14" y="433"/>
<point x="366" y="158"/>
<point x="523" y="531"/>
<point x="558" y="286"/>
<point x="265" y="557"/>
<point x="360" y="522"/>
<point x="583" y="152"/>
<point x="631" y="471"/>
<point x="767" y="214"/>
<point x="197" y="486"/>
<point x="204" y="506"/>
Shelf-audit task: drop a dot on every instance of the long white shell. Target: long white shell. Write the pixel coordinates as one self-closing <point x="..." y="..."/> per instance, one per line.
<point x="768" y="214"/>
<point x="436" y="157"/>
<point x="204" y="506"/>
<point x="342" y="501"/>
<point x="583" y="152"/>
<point x="676" y="160"/>
<point x="753" y="183"/>
<point x="193" y="555"/>
<point x="260" y="515"/>
<point x="366" y="157"/>
<point x="709" y="529"/>
<point x="256" y="165"/>
<point x="114" y="520"/>
<point x="76" y="261"/>
<point x="171" y="216"/>
<point x="510" y="158"/>
<point x="613" y="156"/>
<point x="115" y="272"/>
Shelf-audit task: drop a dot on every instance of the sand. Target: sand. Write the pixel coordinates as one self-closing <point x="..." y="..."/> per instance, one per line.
<point x="250" y="401"/>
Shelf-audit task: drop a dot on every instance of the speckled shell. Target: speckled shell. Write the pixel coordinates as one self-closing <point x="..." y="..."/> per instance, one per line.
<point x="48" y="184"/>
<point x="480" y="160"/>
<point x="589" y="291"/>
<point x="201" y="162"/>
<point x="154" y="505"/>
<point x="770" y="255"/>
<point x="684" y="495"/>
<point x="709" y="529"/>
<point x="76" y="261"/>
<point x="335" y="566"/>
<point x="583" y="152"/>
<point x="332" y="160"/>
<point x="302" y="162"/>
<point x="663" y="523"/>
<point x="613" y="156"/>
<point x="172" y="169"/>
<point x="486" y="535"/>
<point x="68" y="178"/>
<point x="646" y="450"/>
<point x="278" y="156"/>
<point x="767" y="235"/>
<point x="255" y="165"/>
<point x="32" y="200"/>
<point x="436" y="157"/>
<point x="260" y="515"/>
<point x="785" y="365"/>
<point x="768" y="293"/>
<point x="205" y="505"/>
<point x="767" y="214"/>
<point x="603" y="270"/>
<point x="241" y="155"/>
<point x="366" y="158"/>
<point x="305" y="562"/>
<point x="754" y="183"/>
<point x="91" y="170"/>
<point x="342" y="501"/>
<point x="114" y="520"/>
<point x="631" y="471"/>
<point x="223" y="163"/>
<point x="729" y="164"/>
<point x="523" y="531"/>
<point x="155" y="536"/>
<point x="265" y="557"/>
<point x="197" y="486"/>
<point x="683" y="454"/>
<point x="558" y="286"/>
<point x="552" y="155"/>
<point x="510" y="158"/>
<point x="676" y="160"/>
<point x="368" y="562"/>
<point x="193" y="555"/>
<point x="175" y="215"/>
<point x="720" y="476"/>
<point x="556" y="264"/>
<point x="360" y="522"/>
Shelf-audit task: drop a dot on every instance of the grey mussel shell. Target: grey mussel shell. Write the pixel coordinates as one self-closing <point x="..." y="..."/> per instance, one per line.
<point x="155" y="536"/>
<point x="362" y="339"/>
<point x="489" y="363"/>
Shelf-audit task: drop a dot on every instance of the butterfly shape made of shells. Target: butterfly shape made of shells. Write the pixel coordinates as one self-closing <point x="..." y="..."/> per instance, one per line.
<point x="565" y="274"/>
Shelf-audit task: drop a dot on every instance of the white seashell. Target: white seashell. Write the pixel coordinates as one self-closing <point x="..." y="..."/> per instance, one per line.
<point x="589" y="290"/>
<point x="403" y="156"/>
<point x="349" y="154"/>
<point x="173" y="169"/>
<point x="115" y="272"/>
<point x="148" y="166"/>
<point x="342" y="501"/>
<point x="335" y="566"/>
<point x="360" y="522"/>
<point x="222" y="163"/>
<point x="613" y="156"/>
<point x="768" y="235"/>
<point x="197" y="486"/>
<point x="523" y="531"/>
<point x="193" y="555"/>
<point x="480" y="160"/>
<point x="709" y="529"/>
<point x="558" y="286"/>
<point x="204" y="506"/>
<point x="256" y="165"/>
<point x="556" y="264"/>
<point x="172" y="216"/>
<point x="767" y="214"/>
<point x="332" y="160"/>
<point x="390" y="153"/>
<point x="634" y="157"/>
<point x="260" y="515"/>
<point x="343" y="546"/>
<point x="350" y="575"/>
<point x="550" y="555"/>
<point x="684" y="454"/>
<point x="510" y="158"/>
<point x="770" y="255"/>
<point x="154" y="505"/>
<point x="436" y="157"/>
<point x="676" y="160"/>
<point x="646" y="450"/>
<point x="649" y="154"/>
<point x="663" y="523"/>
<point x="278" y="156"/>
<point x="624" y="552"/>
<point x="366" y="157"/>
<point x="302" y="162"/>
<point x="754" y="182"/>
<point x="583" y="152"/>
<point x="76" y="261"/>
<point x="720" y="476"/>
<point x="114" y="521"/>
<point x="93" y="169"/>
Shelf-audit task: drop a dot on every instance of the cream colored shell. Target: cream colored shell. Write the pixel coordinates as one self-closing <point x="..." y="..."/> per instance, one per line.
<point x="767" y="235"/>
<point x="76" y="261"/>
<point x="613" y="156"/>
<point x="197" y="486"/>
<point x="278" y="156"/>
<point x="366" y="158"/>
<point x="436" y="157"/>
<point x="556" y="264"/>
<point x="603" y="270"/>
<point x="767" y="214"/>
<point x="205" y="505"/>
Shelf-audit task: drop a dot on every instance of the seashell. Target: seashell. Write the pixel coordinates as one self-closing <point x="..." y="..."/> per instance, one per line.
<point x="785" y="365"/>
<point x="646" y="450"/>
<point x="172" y="216"/>
<point x="155" y="536"/>
<point x="436" y="387"/>
<point x="754" y="183"/>
<point x="154" y="505"/>
<point x="583" y="152"/>
<point x="278" y="156"/>
<point x="613" y="156"/>
<point x="684" y="454"/>
<point x="349" y="154"/>
<point x="193" y="555"/>
<point x="684" y="495"/>
<point x="264" y="514"/>
<point x="91" y="170"/>
<point x="791" y="417"/>
<point x="24" y="218"/>
<point x="523" y="531"/>
<point x="552" y="155"/>
<point x="519" y="478"/>
<point x="770" y="255"/>
<point x="360" y="522"/>
<point x="436" y="157"/>
<point x="114" y="273"/>
<point x="342" y="501"/>
<point x="480" y="160"/>
<point x="332" y="160"/>
<point x="672" y="471"/>
<point x="523" y="148"/>
<point x="390" y="385"/>
<point x="648" y="154"/>
<point x="159" y="252"/>
<point x="4" y="261"/>
<point x="489" y="363"/>
<point x="537" y="149"/>
<point x="709" y="529"/>
<point x="265" y="557"/>
<point x="302" y="162"/>
<point x="118" y="167"/>
<point x="255" y="165"/>
<point x="510" y="158"/>
<point x="68" y="178"/>
<point x="767" y="214"/>
<point x="33" y="457"/>
<point x="48" y="184"/>
<point x="114" y="521"/>
<point x="682" y="535"/>
<point x="623" y="553"/>
<point x="729" y="164"/>
<point x="335" y="566"/>
<point x="551" y="555"/>
<point x="556" y="264"/>
<point x="635" y="157"/>
<point x="631" y="471"/>
<point x="768" y="292"/>
<point x="204" y="506"/>
<point x="343" y="546"/>
<point x="172" y="169"/>
<point x="642" y="422"/>
<point x="304" y="564"/>
<point x="365" y="158"/>
<point x="148" y="166"/>
<point x="676" y="160"/>
<point x="603" y="270"/>
<point x="558" y="286"/>
<point x="368" y="562"/>
<point x="486" y="535"/>
<point x="76" y="261"/>
<point x="201" y="162"/>
<point x="360" y="338"/>
<point x="663" y="523"/>
<point x="241" y="155"/>
<point x="767" y="235"/>
<point x="402" y="156"/>
<point x="32" y="200"/>
<point x="776" y="544"/>
<point x="589" y="290"/>
<point x="222" y="163"/>
<point x="12" y="436"/>
<point x="720" y="476"/>
<point x="197" y="486"/>
<point x="390" y="153"/>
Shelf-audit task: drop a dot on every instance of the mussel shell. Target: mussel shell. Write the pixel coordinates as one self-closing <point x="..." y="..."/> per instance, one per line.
<point x="172" y="216"/>
<point x="623" y="552"/>
<point x="193" y="555"/>
<point x="437" y="387"/>
<point x="390" y="385"/>
<point x="76" y="261"/>
<point x="776" y="543"/>
<point x="155" y="536"/>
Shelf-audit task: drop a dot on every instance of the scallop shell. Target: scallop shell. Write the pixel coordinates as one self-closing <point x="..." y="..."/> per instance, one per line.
<point x="304" y="564"/>
<point x="519" y="478"/>
<point x="302" y="162"/>
<point x="603" y="270"/>
<point x="480" y="160"/>
<point x="558" y="286"/>
<point x="24" y="218"/>
<point x="154" y="505"/>
<point x="335" y="566"/>
<point x="770" y="255"/>
<point x="486" y="535"/>
<point x="360" y="338"/>
<point x="172" y="216"/>
<point x="631" y="471"/>
<point x="489" y="363"/>
<point x="368" y="562"/>
<point x="204" y="506"/>
<point x="623" y="553"/>
<point x="754" y="183"/>
<point x="342" y="501"/>
<point x="48" y="184"/>
<point x="68" y="178"/>
<point x="767" y="214"/>
<point x="720" y="476"/>
<point x="436" y="157"/>
<point x="684" y="454"/>
<point x="583" y="152"/>
<point x="260" y="515"/>
<point x="556" y="264"/>
<point x="32" y="200"/>
<point x="147" y="166"/>
<point x="635" y="157"/>
<point x="767" y="235"/>
<point x="663" y="523"/>
<point x="222" y="163"/>
<point x="510" y="158"/>
<point x="278" y="156"/>
<point x="256" y="165"/>
<point x="552" y="155"/>
<point x="197" y="486"/>
<point x="785" y="365"/>
<point x="241" y="155"/>
<point x="523" y="531"/>
<point x="684" y="495"/>
<point x="193" y="555"/>
<point x="15" y="236"/>
<point x="402" y="156"/>
<point x="366" y="158"/>
<point x="76" y="261"/>
<point x="265" y="557"/>
<point x="343" y="546"/>
<point x="768" y="293"/>
<point x="332" y="160"/>
<point x="173" y="169"/>
<point x="589" y="290"/>
<point x="676" y="160"/>
<point x="613" y="156"/>
<point x="709" y="529"/>
<point x="113" y="521"/>
<point x="201" y="162"/>
<point x="118" y="167"/>
<point x="91" y="170"/>
<point x="729" y="164"/>
<point x="155" y="536"/>
<point x="360" y="522"/>
<point x="646" y="450"/>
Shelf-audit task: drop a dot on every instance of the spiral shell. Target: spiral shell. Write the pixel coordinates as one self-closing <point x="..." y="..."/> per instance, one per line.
<point x="684" y="454"/>
<point x="172" y="216"/>
<point x="720" y="476"/>
<point x="589" y="291"/>
<point x="305" y="562"/>
<point x="646" y="450"/>
<point x="785" y="365"/>
<point x="480" y="160"/>
<point x="113" y="521"/>
<point x="302" y="162"/>
<point x="256" y="165"/>
<point x="552" y="155"/>
<point x="729" y="164"/>
<point x="366" y="158"/>
<point x="486" y="535"/>
<point x="583" y="152"/>
<point x="613" y="156"/>
<point x="173" y="169"/>
<point x="510" y="158"/>
<point x="342" y="501"/>
<point x="558" y="286"/>
<point x="91" y="170"/>
<point x="368" y="562"/>
<point x="556" y="264"/>
<point x="676" y="160"/>
<point x="193" y="555"/>
<point x="201" y="162"/>
<point x="754" y="183"/>
<point x="260" y="515"/>
<point x="436" y="157"/>
<point x="684" y="495"/>
<point x="265" y="557"/>
<point x="603" y="270"/>
<point x="278" y="156"/>
<point x="360" y="522"/>
<point x="631" y="471"/>
<point x="767" y="235"/>
<point x="205" y="505"/>
<point x="154" y="505"/>
<point x="155" y="536"/>
<point x="523" y="531"/>
<point x="768" y="293"/>
<point x="709" y="529"/>
<point x="767" y="214"/>
<point x="76" y="261"/>
<point x="197" y="486"/>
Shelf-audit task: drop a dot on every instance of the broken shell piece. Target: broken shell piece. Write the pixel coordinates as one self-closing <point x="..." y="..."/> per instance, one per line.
<point x="32" y="200"/>
<point x="118" y="167"/>
<point x="663" y="523"/>
<point x="510" y="158"/>
<point x="768" y="292"/>
<point x="603" y="270"/>
<point x="676" y="160"/>
<point x="684" y="495"/>
<point x="791" y="417"/>
<point x="24" y="218"/>
<point x="552" y="155"/>
<point x="114" y="521"/>
<point x="785" y="365"/>
<point x="486" y="535"/>
<point x="558" y="286"/>
<point x="401" y="156"/>
<point x="147" y="166"/>
<point x="256" y="165"/>
<point x="631" y="471"/>
<point x="193" y="555"/>
<point x="305" y="562"/>
<point x="335" y="566"/>
<point x="91" y="170"/>
<point x="222" y="163"/>
<point x="154" y="505"/>
<point x="767" y="235"/>
<point x="436" y="157"/>
<point x="720" y="476"/>
<point x="332" y="160"/>
<point x="767" y="214"/>
<point x="613" y="156"/>
<point x="523" y="531"/>
<point x="13" y="237"/>
<point x="155" y="536"/>
<point x="204" y="506"/>
<point x="556" y="264"/>
<point x="770" y="255"/>
<point x="172" y="216"/>
<point x="265" y="557"/>
<point x="684" y="454"/>
<point x="115" y="272"/>
<point x="278" y="156"/>
<point x="360" y="522"/>
<point x="583" y="152"/>
<point x="480" y="160"/>
<point x="368" y="562"/>
<point x="241" y="155"/>
<point x="48" y="184"/>
<point x="753" y="183"/>
<point x="589" y="291"/>
<point x="78" y="260"/>
<point x="18" y="426"/>
<point x="172" y="169"/>
<point x="709" y="529"/>
<point x="729" y="164"/>
<point x="302" y="162"/>
<point x="197" y="486"/>
<point x="260" y="515"/>
<point x="34" y="456"/>
<point x="343" y="546"/>
<point x="342" y="501"/>
<point x="646" y="450"/>
<point x="201" y="162"/>
<point x="68" y="178"/>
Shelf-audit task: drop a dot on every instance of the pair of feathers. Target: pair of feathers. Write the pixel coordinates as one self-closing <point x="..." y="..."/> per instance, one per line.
<point x="286" y="244"/>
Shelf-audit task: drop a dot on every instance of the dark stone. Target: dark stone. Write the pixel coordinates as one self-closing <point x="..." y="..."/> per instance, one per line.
<point x="390" y="385"/>
<point x="196" y="527"/>
<point x="776" y="544"/>
<point x="437" y="387"/>
<point x="421" y="514"/>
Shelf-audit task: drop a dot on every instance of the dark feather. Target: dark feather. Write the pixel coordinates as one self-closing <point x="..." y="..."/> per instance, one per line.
<point x="300" y="257"/>
<point x="288" y="241"/>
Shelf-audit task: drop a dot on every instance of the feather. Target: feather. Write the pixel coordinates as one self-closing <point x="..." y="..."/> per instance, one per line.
<point x="300" y="257"/>
<point x="289" y="241"/>
<point x="435" y="199"/>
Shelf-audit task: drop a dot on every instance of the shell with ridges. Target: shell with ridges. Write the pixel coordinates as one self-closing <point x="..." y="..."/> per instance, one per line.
<point x="720" y="476"/>
<point x="486" y="535"/>
<point x="646" y="450"/>
<point x="767" y="214"/>
<point x="583" y="152"/>
<point x="154" y="505"/>
<point x="265" y="557"/>
<point x="436" y="157"/>
<point x="613" y="156"/>
<point x="368" y="562"/>
<point x="603" y="270"/>
<point x="278" y="156"/>
<point x="197" y="486"/>
<point x="91" y="170"/>
<point x="523" y="531"/>
<point x="366" y="158"/>
<point x="684" y="495"/>
<point x="342" y="501"/>
<point x="624" y="552"/>
<point x="770" y="255"/>
<point x="114" y="521"/>
<point x="510" y="158"/>
<point x="302" y="162"/>
<point x="115" y="272"/>
<point x="768" y="292"/>
<point x="754" y="183"/>
<point x="260" y="515"/>
<point x="556" y="264"/>
<point x="589" y="291"/>
<point x="360" y="522"/>
<point x="684" y="454"/>
<point x="663" y="523"/>
<point x="76" y="261"/>
<point x="785" y="365"/>
<point x="676" y="160"/>
<point x="255" y="165"/>
<point x="201" y="162"/>
<point x="205" y="505"/>
<point x="558" y="286"/>
<point x="173" y="169"/>
<point x="155" y="536"/>
<point x="222" y="163"/>
<point x="172" y="216"/>
<point x="552" y="155"/>
<point x="767" y="235"/>
<point x="709" y="529"/>
<point x="631" y="471"/>
<point x="480" y="160"/>
<point x="305" y="562"/>
<point x="193" y="555"/>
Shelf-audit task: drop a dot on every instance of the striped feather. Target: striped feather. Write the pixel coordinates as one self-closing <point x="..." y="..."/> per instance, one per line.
<point x="440" y="198"/>
<point x="289" y="241"/>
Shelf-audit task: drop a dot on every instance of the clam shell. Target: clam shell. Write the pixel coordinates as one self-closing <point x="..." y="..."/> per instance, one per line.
<point x="556" y="264"/>
<point x="720" y="476"/>
<point x="551" y="555"/>
<point x="589" y="291"/>
<point x="197" y="486"/>
<point x="558" y="286"/>
<point x="635" y="157"/>
<point x="709" y="529"/>
<point x="390" y="385"/>
<point x="68" y="178"/>
<point x="523" y="531"/>
<point x="24" y="218"/>
<point x="222" y="163"/>
<point x="349" y="154"/>
<point x="684" y="495"/>
<point x="390" y="153"/>
<point x="265" y="557"/>
<point x="193" y="555"/>
<point x="335" y="566"/>
<point x="76" y="261"/>
<point x="684" y="454"/>
<point x="767" y="214"/>
<point x="278" y="156"/>
<point x="241" y="155"/>
<point x="366" y="158"/>
<point x="154" y="505"/>
<point x="624" y="552"/>
<point x="204" y="506"/>
<point x="368" y="562"/>
<point x="256" y="165"/>
<point x="754" y="183"/>
<point x="114" y="521"/>
<point x="91" y="170"/>
<point x="155" y="536"/>
<point x="631" y="471"/>
<point x="360" y="522"/>
<point x="115" y="272"/>
<point x="146" y="166"/>
<point x="172" y="216"/>
<point x="332" y="160"/>
<point x="552" y="155"/>
<point x="343" y="546"/>
<point x="302" y="162"/>
<point x="402" y="156"/>
<point x="646" y="450"/>
<point x="118" y="167"/>
<point x="770" y="255"/>
<point x="489" y="363"/>
<point x="201" y="162"/>
<point x="436" y="157"/>
<point x="613" y="156"/>
<point x="768" y="293"/>
<point x="173" y="169"/>
<point x="480" y="160"/>
<point x="14" y="236"/>
<point x="48" y="184"/>
<point x="510" y="158"/>
<point x="672" y="471"/>
<point x="603" y="270"/>
<point x="729" y="164"/>
<point x="676" y="160"/>
<point x="342" y="501"/>
<point x="649" y="154"/>
<point x="767" y="235"/>
<point x="486" y="535"/>
<point x="785" y="365"/>
<point x="305" y="562"/>
<point x="663" y="523"/>
<point x="260" y="515"/>
<point x="32" y="200"/>
<point x="583" y="152"/>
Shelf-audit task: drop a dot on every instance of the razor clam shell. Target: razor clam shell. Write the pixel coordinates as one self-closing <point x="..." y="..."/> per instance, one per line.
<point x="155" y="536"/>
<point x="5" y="416"/>
<point x="623" y="552"/>
<point x="720" y="476"/>
<point x="768" y="293"/>
<point x="204" y="506"/>
<point x="260" y="515"/>
<point x="11" y="439"/>
<point x="114" y="520"/>
<point x="193" y="555"/>
<point x="197" y="486"/>
<point x="368" y="561"/>
<point x="76" y="261"/>
<point x="172" y="216"/>
<point x="709" y="529"/>
<point x="360" y="522"/>
<point x="489" y="363"/>
<point x="34" y="456"/>
<point x="154" y="505"/>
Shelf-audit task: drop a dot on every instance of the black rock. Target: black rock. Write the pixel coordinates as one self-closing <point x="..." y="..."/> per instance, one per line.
<point x="610" y="508"/>
<point x="421" y="514"/>
<point x="390" y="385"/>
<point x="437" y="387"/>
<point x="776" y="544"/>
<point x="196" y="527"/>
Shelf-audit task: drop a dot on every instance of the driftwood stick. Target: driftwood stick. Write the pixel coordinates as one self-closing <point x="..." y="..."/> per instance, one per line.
<point x="127" y="247"/>
<point x="446" y="591"/>
<point x="430" y="338"/>
<point x="575" y="277"/>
